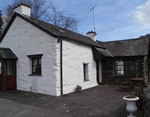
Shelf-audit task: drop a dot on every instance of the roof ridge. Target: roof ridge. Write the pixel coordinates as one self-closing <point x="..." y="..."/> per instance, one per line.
<point x="51" y="30"/>
<point x="53" y="26"/>
<point x="141" y="37"/>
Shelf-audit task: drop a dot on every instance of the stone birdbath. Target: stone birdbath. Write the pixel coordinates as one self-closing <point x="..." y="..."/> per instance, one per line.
<point x="131" y="104"/>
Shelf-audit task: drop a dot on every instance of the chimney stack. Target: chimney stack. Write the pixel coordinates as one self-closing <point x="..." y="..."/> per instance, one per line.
<point x="23" y="9"/>
<point x="91" y="35"/>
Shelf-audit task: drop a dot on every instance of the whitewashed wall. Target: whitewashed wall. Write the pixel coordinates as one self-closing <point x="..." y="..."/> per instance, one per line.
<point x="25" y="39"/>
<point x="74" y="55"/>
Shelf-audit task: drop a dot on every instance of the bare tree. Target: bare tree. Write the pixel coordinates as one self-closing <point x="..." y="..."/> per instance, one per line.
<point x="41" y="11"/>
<point x="60" y="19"/>
<point x="38" y="7"/>
<point x="1" y="22"/>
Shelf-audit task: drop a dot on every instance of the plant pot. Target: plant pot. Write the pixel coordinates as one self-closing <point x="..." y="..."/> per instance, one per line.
<point x="139" y="104"/>
<point x="131" y="105"/>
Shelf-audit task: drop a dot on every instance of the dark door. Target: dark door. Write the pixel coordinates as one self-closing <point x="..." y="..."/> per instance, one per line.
<point x="9" y="74"/>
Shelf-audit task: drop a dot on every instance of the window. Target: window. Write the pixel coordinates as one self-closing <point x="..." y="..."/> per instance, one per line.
<point x="129" y="68"/>
<point x="85" y="72"/>
<point x="36" y="64"/>
<point x="124" y="68"/>
<point x="10" y="67"/>
<point x="119" y="68"/>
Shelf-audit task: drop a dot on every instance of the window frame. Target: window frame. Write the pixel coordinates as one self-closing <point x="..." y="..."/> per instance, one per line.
<point x="37" y="57"/>
<point x="37" y="65"/>
<point x="86" y="72"/>
<point x="116" y="69"/>
<point x="126" y="74"/>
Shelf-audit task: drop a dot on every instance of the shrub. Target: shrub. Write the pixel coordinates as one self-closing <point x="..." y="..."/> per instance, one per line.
<point x="139" y="94"/>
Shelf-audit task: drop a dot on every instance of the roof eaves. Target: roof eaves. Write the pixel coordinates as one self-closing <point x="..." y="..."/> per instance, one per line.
<point x="98" y="46"/>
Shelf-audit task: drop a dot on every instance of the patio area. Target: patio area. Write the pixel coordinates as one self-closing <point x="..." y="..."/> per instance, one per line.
<point x="100" y="101"/>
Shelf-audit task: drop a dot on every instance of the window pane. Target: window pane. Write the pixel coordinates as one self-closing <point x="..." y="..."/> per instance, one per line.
<point x="129" y="67"/>
<point x="34" y="61"/>
<point x="13" y="71"/>
<point x="13" y="64"/>
<point x="36" y="66"/>
<point x="119" y="62"/>
<point x="37" y="69"/>
<point x="39" y="61"/>
<point x="119" y="67"/>
<point x="0" y="64"/>
<point x="8" y="63"/>
<point x="85" y="72"/>
<point x="34" y="69"/>
<point x="116" y="62"/>
<point x="122" y="72"/>
<point x="118" y="73"/>
<point x="9" y="71"/>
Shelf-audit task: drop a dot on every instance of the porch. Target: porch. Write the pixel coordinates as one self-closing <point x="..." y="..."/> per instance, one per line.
<point x="7" y="69"/>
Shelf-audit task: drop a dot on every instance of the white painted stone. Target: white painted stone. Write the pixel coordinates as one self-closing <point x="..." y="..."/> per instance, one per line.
<point x="25" y="39"/>
<point x="74" y="55"/>
<point x="24" y="10"/>
<point x="91" y="35"/>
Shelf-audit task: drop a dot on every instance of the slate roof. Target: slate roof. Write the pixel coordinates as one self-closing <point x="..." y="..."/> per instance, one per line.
<point x="6" y="53"/>
<point x="131" y="47"/>
<point x="55" y="31"/>
<point x="105" y="52"/>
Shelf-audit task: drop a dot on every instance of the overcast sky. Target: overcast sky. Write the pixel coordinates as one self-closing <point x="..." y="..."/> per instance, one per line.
<point x="114" y="19"/>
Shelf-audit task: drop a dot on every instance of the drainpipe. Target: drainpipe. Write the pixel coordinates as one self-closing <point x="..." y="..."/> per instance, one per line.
<point x="61" y="67"/>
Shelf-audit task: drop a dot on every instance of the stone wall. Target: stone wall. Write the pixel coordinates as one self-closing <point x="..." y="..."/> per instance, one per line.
<point x="107" y="71"/>
<point x="25" y="39"/>
<point x="74" y="56"/>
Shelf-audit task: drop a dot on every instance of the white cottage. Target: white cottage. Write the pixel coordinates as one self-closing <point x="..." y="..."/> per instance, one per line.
<point x="49" y="59"/>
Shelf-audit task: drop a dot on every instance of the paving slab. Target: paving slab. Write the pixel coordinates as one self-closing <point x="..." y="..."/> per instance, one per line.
<point x="100" y="101"/>
<point x="10" y="108"/>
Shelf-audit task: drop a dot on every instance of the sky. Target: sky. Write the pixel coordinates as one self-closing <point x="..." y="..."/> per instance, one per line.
<point x="114" y="19"/>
